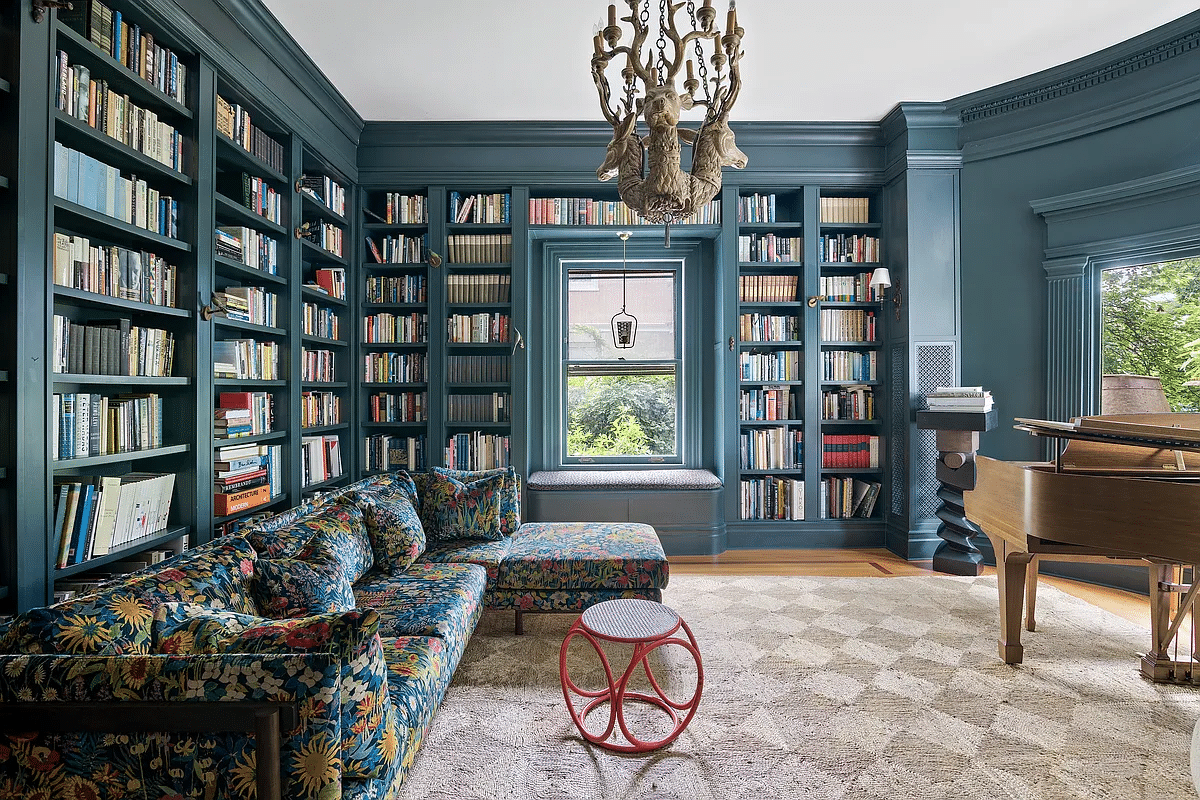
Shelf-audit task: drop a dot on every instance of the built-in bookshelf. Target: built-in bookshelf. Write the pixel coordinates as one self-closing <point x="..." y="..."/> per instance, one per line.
<point x="478" y="324"/>
<point x="592" y="211"/>
<point x="394" y="342"/>
<point x="121" y="339"/>
<point x="850" y="325"/>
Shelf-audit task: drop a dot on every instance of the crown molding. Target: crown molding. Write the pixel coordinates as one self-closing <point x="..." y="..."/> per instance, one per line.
<point x="1118" y="196"/>
<point x="1166" y="245"/>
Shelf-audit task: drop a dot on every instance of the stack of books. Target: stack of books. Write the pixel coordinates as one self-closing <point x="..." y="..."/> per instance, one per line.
<point x="959" y="398"/>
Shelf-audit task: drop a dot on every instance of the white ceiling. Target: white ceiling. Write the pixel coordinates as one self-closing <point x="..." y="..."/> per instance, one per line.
<point x="849" y="61"/>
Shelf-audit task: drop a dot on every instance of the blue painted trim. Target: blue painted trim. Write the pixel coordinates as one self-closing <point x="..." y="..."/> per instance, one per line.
<point x="1121" y="196"/>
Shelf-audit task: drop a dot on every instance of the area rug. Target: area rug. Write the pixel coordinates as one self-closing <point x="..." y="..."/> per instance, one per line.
<point x="830" y="688"/>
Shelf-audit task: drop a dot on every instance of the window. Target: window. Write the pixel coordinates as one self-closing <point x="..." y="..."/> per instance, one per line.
<point x="1150" y="325"/>
<point x="621" y="405"/>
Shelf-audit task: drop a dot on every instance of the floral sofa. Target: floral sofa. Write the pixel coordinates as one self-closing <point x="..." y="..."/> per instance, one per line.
<point x="355" y="607"/>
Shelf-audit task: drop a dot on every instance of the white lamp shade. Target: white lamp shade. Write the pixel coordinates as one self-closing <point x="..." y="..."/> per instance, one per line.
<point x="881" y="278"/>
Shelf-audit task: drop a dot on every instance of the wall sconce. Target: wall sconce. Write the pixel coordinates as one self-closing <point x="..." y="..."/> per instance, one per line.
<point x="881" y="279"/>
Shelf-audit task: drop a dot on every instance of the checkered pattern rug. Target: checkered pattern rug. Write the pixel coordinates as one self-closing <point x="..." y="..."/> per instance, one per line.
<point x="828" y="688"/>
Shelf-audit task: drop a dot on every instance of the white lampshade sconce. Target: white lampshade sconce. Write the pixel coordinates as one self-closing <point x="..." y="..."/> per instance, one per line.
<point x="881" y="281"/>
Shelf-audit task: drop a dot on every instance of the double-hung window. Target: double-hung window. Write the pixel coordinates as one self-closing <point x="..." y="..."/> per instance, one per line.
<point x="621" y="405"/>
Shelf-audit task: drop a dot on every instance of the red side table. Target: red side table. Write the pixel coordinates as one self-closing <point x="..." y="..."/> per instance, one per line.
<point x="647" y="626"/>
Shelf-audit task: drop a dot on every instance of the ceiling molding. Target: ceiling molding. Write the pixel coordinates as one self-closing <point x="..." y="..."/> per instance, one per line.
<point x="1128" y="194"/>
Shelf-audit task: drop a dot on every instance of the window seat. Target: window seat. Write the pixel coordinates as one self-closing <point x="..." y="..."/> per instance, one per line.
<point x="684" y="505"/>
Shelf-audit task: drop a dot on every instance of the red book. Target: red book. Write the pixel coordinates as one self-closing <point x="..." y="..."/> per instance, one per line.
<point x="234" y="399"/>
<point x="374" y="251"/>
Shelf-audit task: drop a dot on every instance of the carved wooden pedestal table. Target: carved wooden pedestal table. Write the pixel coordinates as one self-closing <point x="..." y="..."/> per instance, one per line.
<point x="957" y="441"/>
<point x="647" y="626"/>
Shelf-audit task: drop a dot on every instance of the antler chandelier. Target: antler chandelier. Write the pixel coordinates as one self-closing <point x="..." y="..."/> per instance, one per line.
<point x="664" y="193"/>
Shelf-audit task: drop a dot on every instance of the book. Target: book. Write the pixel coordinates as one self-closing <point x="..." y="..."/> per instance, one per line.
<point x="225" y="504"/>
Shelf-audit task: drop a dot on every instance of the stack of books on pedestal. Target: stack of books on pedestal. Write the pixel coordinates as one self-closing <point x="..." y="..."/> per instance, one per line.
<point x="959" y="398"/>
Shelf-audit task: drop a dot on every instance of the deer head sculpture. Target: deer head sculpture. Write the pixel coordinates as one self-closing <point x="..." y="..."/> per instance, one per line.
<point x="650" y="178"/>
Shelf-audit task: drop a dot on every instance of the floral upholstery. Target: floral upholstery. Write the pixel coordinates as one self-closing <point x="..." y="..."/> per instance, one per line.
<point x="487" y="554"/>
<point x="591" y="555"/>
<point x="368" y="717"/>
<point x="471" y="505"/>
<point x="393" y="523"/>
<point x="259" y="534"/>
<point x="89" y="765"/>
<point x="290" y="587"/>
<point x="561" y="599"/>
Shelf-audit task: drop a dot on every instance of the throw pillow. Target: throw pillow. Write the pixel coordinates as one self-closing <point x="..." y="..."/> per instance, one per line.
<point x="288" y="587"/>
<point x="393" y="525"/>
<point x="339" y="524"/>
<point x="367" y="715"/>
<point x="472" y="505"/>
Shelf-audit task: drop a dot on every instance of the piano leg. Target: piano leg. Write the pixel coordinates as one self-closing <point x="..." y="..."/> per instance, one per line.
<point x="1011" y="569"/>
<point x="1031" y="580"/>
<point x="1170" y="601"/>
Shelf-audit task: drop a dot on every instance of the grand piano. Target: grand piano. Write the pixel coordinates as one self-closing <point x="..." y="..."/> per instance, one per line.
<point x="1121" y="489"/>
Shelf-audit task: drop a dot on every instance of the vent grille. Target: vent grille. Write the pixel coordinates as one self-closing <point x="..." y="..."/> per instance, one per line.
<point x="935" y="367"/>
<point x="897" y="446"/>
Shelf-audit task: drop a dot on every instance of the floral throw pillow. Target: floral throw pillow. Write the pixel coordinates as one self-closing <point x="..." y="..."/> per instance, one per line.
<point x="393" y="525"/>
<point x="336" y="528"/>
<point x="472" y="505"/>
<point x="368" y="717"/>
<point x="288" y="587"/>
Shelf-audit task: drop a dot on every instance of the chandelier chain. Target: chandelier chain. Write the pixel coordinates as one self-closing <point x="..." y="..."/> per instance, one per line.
<point x="661" y="42"/>
<point x="701" y="68"/>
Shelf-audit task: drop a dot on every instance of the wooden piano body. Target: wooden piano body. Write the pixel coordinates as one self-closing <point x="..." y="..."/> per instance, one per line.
<point x="1123" y="495"/>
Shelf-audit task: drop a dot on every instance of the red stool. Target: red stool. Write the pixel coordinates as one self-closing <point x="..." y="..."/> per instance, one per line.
<point x="647" y="626"/>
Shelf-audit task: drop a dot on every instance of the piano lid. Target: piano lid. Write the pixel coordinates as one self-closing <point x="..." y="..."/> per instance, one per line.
<point x="1127" y="444"/>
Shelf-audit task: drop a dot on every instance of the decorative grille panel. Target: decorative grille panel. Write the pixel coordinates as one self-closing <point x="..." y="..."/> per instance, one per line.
<point x="897" y="446"/>
<point x="935" y="367"/>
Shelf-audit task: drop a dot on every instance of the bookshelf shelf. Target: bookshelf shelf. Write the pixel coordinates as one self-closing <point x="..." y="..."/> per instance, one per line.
<point x="231" y="152"/>
<point x="769" y="227"/>
<point x="855" y="226"/>
<point x="851" y="383"/>
<point x="376" y="385"/>
<point x="849" y="343"/>
<point x="237" y="324"/>
<point x="765" y="344"/>
<point x="420" y="424"/>
<point x="340" y="426"/>
<point x="231" y="441"/>
<point x="140" y="545"/>
<point x="456" y="424"/>
<point x="855" y="266"/>
<point x="400" y="227"/>
<point x="324" y="384"/>
<point x="315" y="208"/>
<point x="770" y="422"/>
<point x="117" y="458"/>
<point x="249" y="382"/>
<point x="318" y="296"/>
<point x="232" y="269"/>
<point x="307" y="339"/>
<point x="391" y="345"/>
<point x="763" y="472"/>
<point x="394" y="306"/>
<point x="313" y="487"/>
<point x="66" y="378"/>
<point x="105" y="66"/>
<point x="230" y="209"/>
<point x="88" y="221"/>
<point x="770" y="383"/>
<point x="81" y="297"/>
<point x="78" y="134"/>
<point x="479" y="385"/>
<point x="315" y="252"/>
<point x="480" y="345"/>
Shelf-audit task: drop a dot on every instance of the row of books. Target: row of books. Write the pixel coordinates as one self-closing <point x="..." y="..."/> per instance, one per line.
<point x="771" y="448"/>
<point x="384" y="452"/>
<point x="768" y="288"/>
<point x="325" y="190"/>
<point x="771" y="497"/>
<point x="116" y="35"/>
<point x="476" y="451"/>
<point x="479" y="248"/>
<point x="479" y="328"/>
<point x="485" y="208"/>
<point x="399" y="407"/>
<point x="113" y="271"/>
<point x="397" y="289"/>
<point x="95" y="515"/>
<point x="95" y="103"/>
<point x="849" y="365"/>
<point x="87" y="583"/>
<point x="100" y="187"/>
<point x="849" y="248"/>
<point x="248" y="246"/>
<point x="757" y="208"/>
<point x="764" y="248"/>
<point x="246" y="476"/>
<point x="251" y="304"/>
<point x="326" y="235"/>
<point x="848" y="325"/>
<point x="233" y="121"/>
<point x="769" y="328"/>
<point x="318" y="320"/>
<point x="387" y="328"/>
<point x="478" y="288"/>
<point x="849" y="450"/>
<point x="318" y="366"/>
<point x="777" y="365"/>
<point x="91" y="424"/>
<point x="395" y="368"/>
<point x="769" y="403"/>
<point x="843" y="497"/>
<point x="959" y="398"/>
<point x="587" y="211"/>
<point x="246" y="359"/>
<point x="243" y="414"/>
<point x="399" y="249"/>
<point x="253" y="193"/>
<point x="331" y="281"/>
<point x="318" y="409"/>
<point x="477" y="369"/>
<point x="320" y="459"/>
<point x="494" y="407"/>
<point x="848" y="288"/>
<point x="845" y="210"/>
<point x="849" y="403"/>
<point x="402" y="209"/>
<point x="111" y="347"/>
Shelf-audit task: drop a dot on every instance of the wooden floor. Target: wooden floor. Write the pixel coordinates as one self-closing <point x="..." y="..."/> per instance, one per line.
<point x="871" y="563"/>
